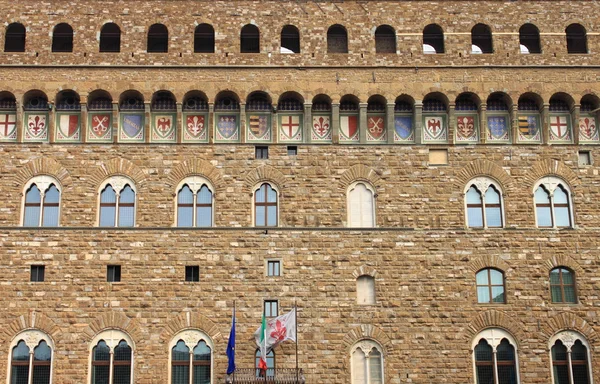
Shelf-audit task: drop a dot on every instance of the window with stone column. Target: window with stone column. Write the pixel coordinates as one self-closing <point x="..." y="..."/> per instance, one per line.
<point x="495" y="358"/>
<point x="191" y="358"/>
<point x="570" y="356"/>
<point x="41" y="202"/>
<point x="31" y="354"/>
<point x="366" y="362"/>
<point x="111" y="361"/>
<point x="117" y="198"/>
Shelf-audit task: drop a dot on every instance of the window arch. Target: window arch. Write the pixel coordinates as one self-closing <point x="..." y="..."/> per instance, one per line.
<point x="481" y="39"/>
<point x="491" y="286"/>
<point x="41" y="202"/>
<point x="158" y="39"/>
<point x="194" y="203"/>
<point x="495" y="358"/>
<point x="433" y="39"/>
<point x="529" y="39"/>
<point x="290" y="39"/>
<point x="570" y="356"/>
<point x="366" y="362"/>
<point x="365" y="290"/>
<point x="250" y="39"/>
<point x="576" y="39"/>
<point x="117" y="197"/>
<point x="553" y="207"/>
<point x="31" y="354"/>
<point x="191" y="358"/>
<point x="204" y="39"/>
<point x="110" y="38"/>
<point x="337" y="39"/>
<point x="14" y="40"/>
<point x="385" y="39"/>
<point x="361" y="205"/>
<point x="483" y="200"/>
<point x="562" y="285"/>
<point x="111" y="351"/>
<point x="266" y="206"/>
<point x="270" y="373"/>
<point x="62" y="38"/>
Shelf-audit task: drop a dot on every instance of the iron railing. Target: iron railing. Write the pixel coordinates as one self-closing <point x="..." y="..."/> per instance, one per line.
<point x="272" y="376"/>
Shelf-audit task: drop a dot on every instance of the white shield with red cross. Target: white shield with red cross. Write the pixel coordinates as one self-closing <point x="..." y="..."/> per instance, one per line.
<point x="290" y="128"/>
<point x="560" y="129"/>
<point x="8" y="127"/>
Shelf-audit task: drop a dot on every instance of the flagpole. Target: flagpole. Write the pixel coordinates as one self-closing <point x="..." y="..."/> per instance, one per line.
<point x="296" y="323"/>
<point x="234" y="347"/>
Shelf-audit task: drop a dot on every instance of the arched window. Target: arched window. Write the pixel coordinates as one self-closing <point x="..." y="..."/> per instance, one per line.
<point x="14" y="40"/>
<point x="191" y="358"/>
<point x="490" y="286"/>
<point x="111" y="352"/>
<point x="290" y="39"/>
<point x="250" y="39"/>
<point x="194" y="203"/>
<point x="41" y="203"/>
<point x="562" y="285"/>
<point x="495" y="357"/>
<point x="117" y="203"/>
<point x="337" y="39"/>
<point x="576" y="39"/>
<point x="31" y="354"/>
<point x="62" y="38"/>
<point x="552" y="203"/>
<point x="529" y="38"/>
<point x="265" y="206"/>
<point x="204" y="39"/>
<point x="110" y="38"/>
<point x="433" y="39"/>
<point x="366" y="362"/>
<point x="270" y="373"/>
<point x="365" y="290"/>
<point x="361" y="206"/>
<point x="570" y="356"/>
<point x="481" y="39"/>
<point x="158" y="39"/>
<point x="483" y="199"/>
<point x="385" y="39"/>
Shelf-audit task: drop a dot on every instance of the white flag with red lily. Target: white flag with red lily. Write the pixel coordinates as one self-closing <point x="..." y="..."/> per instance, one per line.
<point x="277" y="330"/>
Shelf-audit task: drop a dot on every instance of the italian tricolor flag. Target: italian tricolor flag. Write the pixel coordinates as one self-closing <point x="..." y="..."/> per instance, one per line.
<point x="262" y="364"/>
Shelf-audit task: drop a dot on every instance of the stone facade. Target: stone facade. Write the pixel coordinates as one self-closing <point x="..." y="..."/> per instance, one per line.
<point x="421" y="254"/>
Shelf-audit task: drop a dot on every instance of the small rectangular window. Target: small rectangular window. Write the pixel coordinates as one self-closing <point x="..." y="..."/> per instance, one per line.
<point x="271" y="308"/>
<point x="292" y="150"/>
<point x="438" y="157"/>
<point x="273" y="268"/>
<point x="261" y="152"/>
<point x="37" y="273"/>
<point x="192" y="273"/>
<point x="585" y="158"/>
<point x="113" y="273"/>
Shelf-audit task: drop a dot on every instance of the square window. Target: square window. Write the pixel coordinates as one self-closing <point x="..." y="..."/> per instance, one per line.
<point x="113" y="273"/>
<point x="271" y="308"/>
<point x="192" y="273"/>
<point x="585" y="158"/>
<point x="292" y="150"/>
<point x="273" y="268"/>
<point x="438" y="157"/>
<point x="37" y="273"/>
<point x="261" y="152"/>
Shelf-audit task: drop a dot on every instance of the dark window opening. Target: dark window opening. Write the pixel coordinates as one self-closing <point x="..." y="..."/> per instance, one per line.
<point x="433" y="36"/>
<point x="192" y="273"/>
<point x="62" y="38"/>
<point x="576" y="39"/>
<point x="337" y="39"/>
<point x="529" y="37"/>
<point x="37" y="273"/>
<point x="261" y="152"/>
<point x="113" y="273"/>
<point x="204" y="39"/>
<point x="15" y="38"/>
<point x="110" y="38"/>
<point x="385" y="39"/>
<point x="250" y="39"/>
<point x="481" y="37"/>
<point x="158" y="39"/>
<point x="292" y="150"/>
<point x="290" y="39"/>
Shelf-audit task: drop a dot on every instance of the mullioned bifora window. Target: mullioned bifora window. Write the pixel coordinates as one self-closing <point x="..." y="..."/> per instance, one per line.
<point x="366" y="361"/>
<point x="117" y="203"/>
<point x="31" y="354"/>
<point x="495" y="357"/>
<point x="112" y="358"/>
<point x="42" y="202"/>
<point x="191" y="358"/>
<point x="484" y="204"/>
<point x="570" y="356"/>
<point x="552" y="203"/>
<point x="194" y="203"/>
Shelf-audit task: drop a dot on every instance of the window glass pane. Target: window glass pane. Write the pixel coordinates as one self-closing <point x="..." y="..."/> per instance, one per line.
<point x="32" y="207"/>
<point x="505" y="351"/>
<point x="496" y="276"/>
<point x="359" y="367"/>
<point x="101" y="352"/>
<point x="122" y="374"/>
<point x="122" y="351"/>
<point x="483" y="362"/>
<point x="260" y="194"/>
<point x="127" y="196"/>
<point x="580" y="374"/>
<point x="185" y="216"/>
<point x="180" y="352"/>
<point x="493" y="216"/>
<point x="20" y="374"/>
<point x="271" y="216"/>
<point x="507" y="374"/>
<point x="544" y="218"/>
<point x="204" y="196"/>
<point x="202" y="351"/>
<point x="541" y="196"/>
<point x="108" y="202"/>
<point x="201" y="374"/>
<point x="41" y="364"/>
<point x="126" y="216"/>
<point x="482" y="277"/>
<point x="561" y="374"/>
<point x="562" y="216"/>
<point x="41" y="374"/>
<point x="556" y="294"/>
<point x="185" y="196"/>
<point x="33" y="195"/>
<point x="204" y="216"/>
<point x="42" y="352"/>
<point x="376" y="376"/>
<point x="483" y="295"/>
<point x="560" y="196"/>
<point x="52" y="195"/>
<point x="570" y="294"/>
<point x="555" y="276"/>
<point x="492" y="196"/>
<point x="366" y="206"/>
<point x="108" y="195"/>
<point x="21" y="352"/>
<point x="475" y="217"/>
<point x="180" y="374"/>
<point x="578" y="351"/>
<point x="51" y="201"/>
<point x="473" y="196"/>
<point x="498" y="294"/>
<point x="567" y="276"/>
<point x="483" y="351"/>
<point x="260" y="216"/>
<point x="271" y="195"/>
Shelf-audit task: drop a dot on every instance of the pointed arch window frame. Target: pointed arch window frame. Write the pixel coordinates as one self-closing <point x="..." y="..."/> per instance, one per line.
<point x="369" y="187"/>
<point x="494" y="337"/>
<point x="568" y="338"/>
<point x="195" y="184"/>
<point x="118" y="184"/>
<point x="266" y="204"/>
<point x="550" y="184"/>
<point x="112" y="338"/>
<point x="482" y="184"/>
<point x="32" y="339"/>
<point x="191" y="338"/>
<point x="366" y="346"/>
<point x="43" y="183"/>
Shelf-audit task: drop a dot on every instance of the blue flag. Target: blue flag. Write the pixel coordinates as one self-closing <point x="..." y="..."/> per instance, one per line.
<point x="231" y="347"/>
